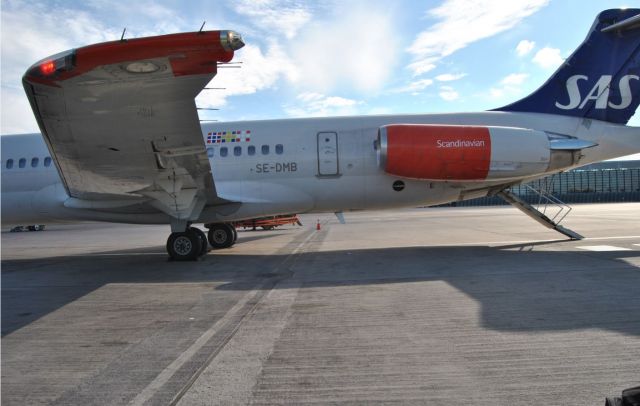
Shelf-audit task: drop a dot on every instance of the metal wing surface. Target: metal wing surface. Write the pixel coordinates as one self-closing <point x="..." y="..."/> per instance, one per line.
<point x="121" y="123"/>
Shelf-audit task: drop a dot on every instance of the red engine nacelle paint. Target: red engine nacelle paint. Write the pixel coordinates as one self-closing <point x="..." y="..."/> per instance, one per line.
<point x="435" y="152"/>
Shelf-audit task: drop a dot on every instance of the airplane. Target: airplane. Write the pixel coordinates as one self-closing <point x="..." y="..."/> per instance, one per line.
<point x="121" y="141"/>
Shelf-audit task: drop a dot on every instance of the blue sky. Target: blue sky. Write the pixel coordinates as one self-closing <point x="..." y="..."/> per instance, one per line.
<point x="324" y="58"/>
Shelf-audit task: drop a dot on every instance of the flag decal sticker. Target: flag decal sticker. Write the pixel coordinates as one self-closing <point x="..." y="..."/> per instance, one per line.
<point x="218" y="137"/>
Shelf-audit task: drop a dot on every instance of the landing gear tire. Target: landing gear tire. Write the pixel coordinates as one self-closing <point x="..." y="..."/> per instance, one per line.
<point x="235" y="234"/>
<point x="204" y="245"/>
<point x="184" y="246"/>
<point x="222" y="235"/>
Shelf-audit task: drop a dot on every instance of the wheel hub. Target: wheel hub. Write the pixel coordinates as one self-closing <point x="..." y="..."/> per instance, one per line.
<point x="182" y="245"/>
<point x="219" y="236"/>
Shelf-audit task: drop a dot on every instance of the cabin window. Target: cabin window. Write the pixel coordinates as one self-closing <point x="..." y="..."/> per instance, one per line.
<point x="251" y="150"/>
<point x="265" y="150"/>
<point x="34" y="162"/>
<point x="210" y="152"/>
<point x="224" y="151"/>
<point x="9" y="164"/>
<point x="47" y="161"/>
<point x="279" y="149"/>
<point x="237" y="151"/>
<point x="22" y="163"/>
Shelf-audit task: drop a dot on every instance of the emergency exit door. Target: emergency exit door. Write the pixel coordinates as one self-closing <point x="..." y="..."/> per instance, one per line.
<point x="327" y="154"/>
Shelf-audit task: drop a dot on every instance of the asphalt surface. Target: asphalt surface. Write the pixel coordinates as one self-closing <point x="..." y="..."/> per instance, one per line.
<point x="444" y="306"/>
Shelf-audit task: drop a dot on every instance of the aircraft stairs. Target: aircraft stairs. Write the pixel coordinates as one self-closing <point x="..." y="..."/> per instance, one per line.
<point x="548" y="211"/>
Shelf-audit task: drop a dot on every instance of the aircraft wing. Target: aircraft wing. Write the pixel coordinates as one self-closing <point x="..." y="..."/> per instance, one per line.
<point x="121" y="123"/>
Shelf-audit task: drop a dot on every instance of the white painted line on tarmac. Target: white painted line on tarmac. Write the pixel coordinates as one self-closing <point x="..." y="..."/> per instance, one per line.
<point x="128" y="254"/>
<point x="229" y="378"/>
<point x="620" y="237"/>
<point x="603" y="248"/>
<point x="164" y="376"/>
<point x="510" y="242"/>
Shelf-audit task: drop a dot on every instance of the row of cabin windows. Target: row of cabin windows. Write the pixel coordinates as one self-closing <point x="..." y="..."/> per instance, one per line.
<point x="251" y="150"/>
<point x="22" y="162"/>
<point x="224" y="151"/>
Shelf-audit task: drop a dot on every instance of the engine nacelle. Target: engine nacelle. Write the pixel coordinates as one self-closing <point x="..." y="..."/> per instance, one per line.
<point x="462" y="153"/>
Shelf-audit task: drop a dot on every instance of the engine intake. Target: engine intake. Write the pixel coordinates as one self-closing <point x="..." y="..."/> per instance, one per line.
<point x="462" y="153"/>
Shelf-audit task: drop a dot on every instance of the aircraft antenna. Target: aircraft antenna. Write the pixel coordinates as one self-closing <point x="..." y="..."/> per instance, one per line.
<point x="123" y="31"/>
<point x="202" y="26"/>
<point x="229" y="64"/>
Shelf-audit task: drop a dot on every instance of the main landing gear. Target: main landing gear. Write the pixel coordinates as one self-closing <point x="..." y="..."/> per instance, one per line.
<point x="222" y="235"/>
<point x="187" y="245"/>
<point x="191" y="244"/>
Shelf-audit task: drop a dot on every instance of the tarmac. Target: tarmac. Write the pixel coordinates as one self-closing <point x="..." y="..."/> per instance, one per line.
<point x="437" y="306"/>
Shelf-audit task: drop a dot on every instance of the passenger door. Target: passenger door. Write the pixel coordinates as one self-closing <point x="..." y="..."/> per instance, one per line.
<point x="328" y="160"/>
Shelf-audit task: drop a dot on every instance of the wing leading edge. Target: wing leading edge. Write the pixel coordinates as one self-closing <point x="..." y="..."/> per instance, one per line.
<point x="120" y="118"/>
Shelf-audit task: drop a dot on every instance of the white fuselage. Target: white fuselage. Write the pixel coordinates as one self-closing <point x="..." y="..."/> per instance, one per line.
<point x="291" y="166"/>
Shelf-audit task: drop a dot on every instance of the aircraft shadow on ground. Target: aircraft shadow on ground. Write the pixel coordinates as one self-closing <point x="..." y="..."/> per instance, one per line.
<point x="516" y="289"/>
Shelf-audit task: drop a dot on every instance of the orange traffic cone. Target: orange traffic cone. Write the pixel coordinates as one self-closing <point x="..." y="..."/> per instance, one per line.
<point x="318" y="225"/>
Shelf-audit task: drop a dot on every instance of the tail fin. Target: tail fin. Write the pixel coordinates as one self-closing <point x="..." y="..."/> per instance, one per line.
<point x="601" y="79"/>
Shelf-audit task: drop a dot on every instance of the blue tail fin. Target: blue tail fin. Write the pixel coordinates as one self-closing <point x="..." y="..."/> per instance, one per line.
<point x="601" y="79"/>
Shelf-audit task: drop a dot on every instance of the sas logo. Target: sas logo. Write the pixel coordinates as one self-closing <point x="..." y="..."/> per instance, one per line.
<point x="599" y="93"/>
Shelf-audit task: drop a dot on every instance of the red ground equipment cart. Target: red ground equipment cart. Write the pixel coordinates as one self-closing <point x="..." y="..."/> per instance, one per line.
<point x="269" y="223"/>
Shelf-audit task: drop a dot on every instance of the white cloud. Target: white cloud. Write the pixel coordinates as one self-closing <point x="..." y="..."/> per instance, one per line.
<point x="17" y="117"/>
<point x="283" y="16"/>
<point x="548" y="58"/>
<point x="323" y="101"/>
<point x="447" y="93"/>
<point x="415" y="87"/>
<point x="462" y="22"/>
<point x="258" y="71"/>
<point x="449" y="77"/>
<point x="380" y="110"/>
<point x="315" y="63"/>
<point x="318" y="105"/>
<point x="29" y="33"/>
<point x="354" y="49"/>
<point x="514" y="79"/>
<point x="524" y="47"/>
<point x="41" y="35"/>
<point x="509" y="86"/>
<point x="420" y="67"/>
<point x="496" y="93"/>
<point x="138" y="14"/>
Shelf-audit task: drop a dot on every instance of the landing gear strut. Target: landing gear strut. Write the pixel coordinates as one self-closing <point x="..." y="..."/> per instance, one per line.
<point x="222" y="235"/>
<point x="187" y="245"/>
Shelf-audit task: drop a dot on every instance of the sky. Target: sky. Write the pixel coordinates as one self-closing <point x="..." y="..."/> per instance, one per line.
<point x="322" y="58"/>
